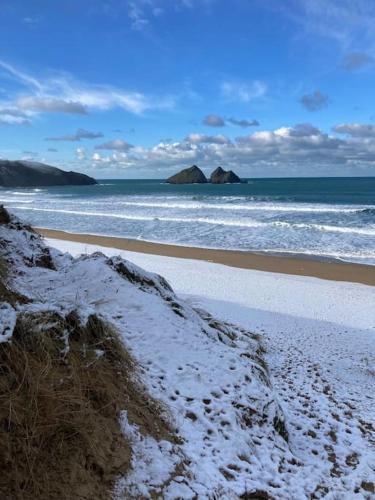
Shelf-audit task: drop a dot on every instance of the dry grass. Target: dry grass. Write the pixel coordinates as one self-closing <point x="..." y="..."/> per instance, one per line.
<point x="6" y="294"/>
<point x="3" y="269"/>
<point x="59" y="431"/>
<point x="4" y="219"/>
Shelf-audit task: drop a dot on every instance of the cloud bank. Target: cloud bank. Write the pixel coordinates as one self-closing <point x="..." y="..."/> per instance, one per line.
<point x="297" y="150"/>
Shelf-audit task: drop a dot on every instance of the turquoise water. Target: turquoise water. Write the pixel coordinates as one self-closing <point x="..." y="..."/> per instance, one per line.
<point x="327" y="217"/>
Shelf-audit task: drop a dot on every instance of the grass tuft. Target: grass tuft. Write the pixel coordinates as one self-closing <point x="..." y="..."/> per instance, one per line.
<point x="62" y="388"/>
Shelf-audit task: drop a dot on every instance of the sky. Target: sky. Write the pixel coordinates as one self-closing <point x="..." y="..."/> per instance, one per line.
<point x="143" y="88"/>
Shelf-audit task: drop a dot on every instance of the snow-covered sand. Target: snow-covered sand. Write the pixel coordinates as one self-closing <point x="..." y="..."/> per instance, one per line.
<point x="209" y="376"/>
<point x="347" y="304"/>
<point x="320" y="337"/>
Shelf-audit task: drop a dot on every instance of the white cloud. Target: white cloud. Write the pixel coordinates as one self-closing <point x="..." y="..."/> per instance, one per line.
<point x="219" y="121"/>
<point x="208" y="139"/>
<point x="77" y="136"/>
<point x="61" y="93"/>
<point x="355" y="129"/>
<point x="50" y="105"/>
<point x="29" y="155"/>
<point x="80" y="153"/>
<point x="303" y="130"/>
<point x="349" y="23"/>
<point x="115" y="145"/>
<point x="243" y="91"/>
<point x="315" y="101"/>
<point x="356" y="60"/>
<point x="13" y="116"/>
<point x="21" y="76"/>
<point x="299" y="150"/>
<point x="30" y="21"/>
<point x="213" y="121"/>
<point x="243" y="123"/>
<point x="142" y="13"/>
<point x="137" y="16"/>
<point x="96" y="157"/>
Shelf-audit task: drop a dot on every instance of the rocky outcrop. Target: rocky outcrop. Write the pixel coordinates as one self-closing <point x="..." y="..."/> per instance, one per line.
<point x="34" y="174"/>
<point x="221" y="176"/>
<point x="192" y="175"/>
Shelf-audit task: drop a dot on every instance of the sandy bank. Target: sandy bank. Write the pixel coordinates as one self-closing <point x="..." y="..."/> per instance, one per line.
<point x="335" y="270"/>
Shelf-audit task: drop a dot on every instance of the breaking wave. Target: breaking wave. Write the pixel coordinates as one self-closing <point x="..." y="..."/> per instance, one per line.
<point x="213" y="221"/>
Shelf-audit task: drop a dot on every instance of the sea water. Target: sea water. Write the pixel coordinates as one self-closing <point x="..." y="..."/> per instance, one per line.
<point x="322" y="217"/>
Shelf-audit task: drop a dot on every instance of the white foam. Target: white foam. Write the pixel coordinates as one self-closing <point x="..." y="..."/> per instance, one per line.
<point x="248" y="207"/>
<point x="220" y="222"/>
<point x="188" y="204"/>
<point x="25" y="193"/>
<point x="14" y="200"/>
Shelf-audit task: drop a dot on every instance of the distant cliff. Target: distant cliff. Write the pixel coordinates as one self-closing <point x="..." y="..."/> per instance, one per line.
<point x="194" y="175"/>
<point x="34" y="174"/>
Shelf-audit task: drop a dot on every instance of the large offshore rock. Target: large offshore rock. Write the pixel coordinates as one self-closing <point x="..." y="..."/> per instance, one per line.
<point x="221" y="176"/>
<point x="192" y="175"/>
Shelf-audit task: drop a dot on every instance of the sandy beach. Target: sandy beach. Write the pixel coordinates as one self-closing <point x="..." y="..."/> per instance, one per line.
<point x="329" y="270"/>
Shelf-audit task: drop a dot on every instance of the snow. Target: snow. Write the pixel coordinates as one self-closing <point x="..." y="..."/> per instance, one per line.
<point x="197" y="377"/>
<point x="146" y="472"/>
<point x="8" y="318"/>
<point x="320" y="340"/>
<point x="348" y="304"/>
<point x="208" y="376"/>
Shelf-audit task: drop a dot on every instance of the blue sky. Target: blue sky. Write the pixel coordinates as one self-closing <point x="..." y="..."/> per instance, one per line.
<point x="142" y="88"/>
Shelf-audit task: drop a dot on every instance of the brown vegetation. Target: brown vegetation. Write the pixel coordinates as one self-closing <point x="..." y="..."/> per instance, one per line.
<point x="6" y="294"/>
<point x="62" y="388"/>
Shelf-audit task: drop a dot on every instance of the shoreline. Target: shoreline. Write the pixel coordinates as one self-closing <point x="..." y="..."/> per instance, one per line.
<point x="298" y="266"/>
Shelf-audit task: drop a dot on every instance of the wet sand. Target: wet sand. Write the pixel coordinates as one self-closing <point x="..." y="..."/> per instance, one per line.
<point x="295" y="265"/>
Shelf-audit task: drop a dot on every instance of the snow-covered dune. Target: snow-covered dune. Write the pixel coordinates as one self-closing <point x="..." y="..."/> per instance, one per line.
<point x="210" y="376"/>
<point x="320" y="341"/>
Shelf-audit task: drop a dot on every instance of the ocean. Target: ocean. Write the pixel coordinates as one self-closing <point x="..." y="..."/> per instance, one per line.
<point x="319" y="217"/>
